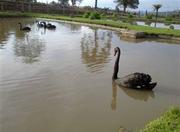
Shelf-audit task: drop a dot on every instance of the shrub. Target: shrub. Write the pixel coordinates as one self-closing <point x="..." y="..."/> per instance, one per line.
<point x="103" y="15"/>
<point x="115" y="15"/>
<point x="86" y="15"/>
<point x="168" y="18"/>
<point x="130" y="16"/>
<point x="95" y="15"/>
<point x="149" y="16"/>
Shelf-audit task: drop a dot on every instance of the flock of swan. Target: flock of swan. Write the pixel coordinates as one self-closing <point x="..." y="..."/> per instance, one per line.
<point x="140" y="81"/>
<point x="39" y="24"/>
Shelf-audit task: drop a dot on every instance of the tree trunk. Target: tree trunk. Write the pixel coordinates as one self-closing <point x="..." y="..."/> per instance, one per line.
<point x="125" y="6"/>
<point x="95" y="4"/>
<point x="125" y="9"/>
<point x="156" y="18"/>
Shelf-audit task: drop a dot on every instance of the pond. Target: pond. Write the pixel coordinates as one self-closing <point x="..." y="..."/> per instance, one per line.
<point x="158" y="24"/>
<point x="60" y="80"/>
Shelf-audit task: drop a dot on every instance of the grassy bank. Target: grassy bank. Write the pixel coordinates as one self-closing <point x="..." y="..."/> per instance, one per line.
<point x="14" y="14"/>
<point x="168" y="122"/>
<point x="148" y="30"/>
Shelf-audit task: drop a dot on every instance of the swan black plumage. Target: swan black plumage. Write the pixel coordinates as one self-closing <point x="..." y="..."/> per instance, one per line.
<point x="40" y="24"/>
<point x="136" y="80"/>
<point x="24" y="28"/>
<point x="49" y="25"/>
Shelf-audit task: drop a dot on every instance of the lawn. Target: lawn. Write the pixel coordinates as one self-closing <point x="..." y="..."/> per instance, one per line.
<point x="168" y="122"/>
<point x="111" y="23"/>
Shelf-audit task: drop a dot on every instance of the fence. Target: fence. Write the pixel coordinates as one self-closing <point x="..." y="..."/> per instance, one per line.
<point x="39" y="7"/>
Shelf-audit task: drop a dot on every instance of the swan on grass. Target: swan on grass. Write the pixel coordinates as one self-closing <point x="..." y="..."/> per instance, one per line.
<point x="135" y="80"/>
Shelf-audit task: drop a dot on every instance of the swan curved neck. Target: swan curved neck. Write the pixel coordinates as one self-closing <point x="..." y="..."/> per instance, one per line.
<point x="116" y="65"/>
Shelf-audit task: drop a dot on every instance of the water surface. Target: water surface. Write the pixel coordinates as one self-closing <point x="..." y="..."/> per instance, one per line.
<point x="158" y="24"/>
<point x="60" y="80"/>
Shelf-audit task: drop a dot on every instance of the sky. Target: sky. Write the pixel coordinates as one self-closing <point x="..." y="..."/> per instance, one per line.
<point x="167" y="5"/>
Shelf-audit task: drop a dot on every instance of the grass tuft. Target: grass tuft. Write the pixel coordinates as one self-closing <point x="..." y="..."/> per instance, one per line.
<point x="168" y="122"/>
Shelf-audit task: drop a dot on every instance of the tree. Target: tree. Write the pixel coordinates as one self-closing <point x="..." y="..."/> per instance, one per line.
<point x="127" y="3"/>
<point x="73" y="2"/>
<point x="95" y="4"/>
<point x="63" y="2"/>
<point x="156" y="8"/>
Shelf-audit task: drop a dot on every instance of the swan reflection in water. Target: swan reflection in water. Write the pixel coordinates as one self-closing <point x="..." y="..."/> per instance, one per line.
<point x="132" y="93"/>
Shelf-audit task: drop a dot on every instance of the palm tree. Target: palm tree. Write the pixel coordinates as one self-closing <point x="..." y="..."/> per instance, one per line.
<point x="127" y="3"/>
<point x="156" y="8"/>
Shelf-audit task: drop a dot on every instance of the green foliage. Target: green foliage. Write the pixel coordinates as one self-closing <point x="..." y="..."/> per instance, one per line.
<point x="92" y="15"/>
<point x="157" y="7"/>
<point x="95" y="15"/>
<point x="130" y="16"/>
<point x="103" y="15"/>
<point x="169" y="122"/>
<point x="149" y="16"/>
<point x="127" y="3"/>
<point x="86" y="15"/>
<point x="169" y="18"/>
<point x="115" y="14"/>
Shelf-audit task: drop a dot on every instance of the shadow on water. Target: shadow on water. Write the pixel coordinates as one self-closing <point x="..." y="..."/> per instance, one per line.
<point x="135" y="94"/>
<point x="95" y="49"/>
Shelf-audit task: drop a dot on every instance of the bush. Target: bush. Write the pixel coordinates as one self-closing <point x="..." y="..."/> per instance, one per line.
<point x="150" y="16"/>
<point x="103" y="15"/>
<point x="115" y="15"/>
<point x="95" y="15"/>
<point x="130" y="16"/>
<point x="86" y="15"/>
<point x="169" y="18"/>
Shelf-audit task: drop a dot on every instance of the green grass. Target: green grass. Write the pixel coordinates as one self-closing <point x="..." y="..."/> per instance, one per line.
<point x="14" y="14"/>
<point x="117" y="24"/>
<point x="168" y="122"/>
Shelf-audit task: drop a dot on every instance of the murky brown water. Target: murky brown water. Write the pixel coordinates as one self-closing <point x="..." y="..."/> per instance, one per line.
<point x="60" y="81"/>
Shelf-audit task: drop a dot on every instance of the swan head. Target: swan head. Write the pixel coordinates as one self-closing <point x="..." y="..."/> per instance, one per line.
<point x="117" y="49"/>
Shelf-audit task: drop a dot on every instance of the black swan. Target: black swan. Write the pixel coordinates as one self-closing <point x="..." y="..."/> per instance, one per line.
<point x="135" y="80"/>
<point x="49" y="25"/>
<point x="40" y="24"/>
<point x="24" y="28"/>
